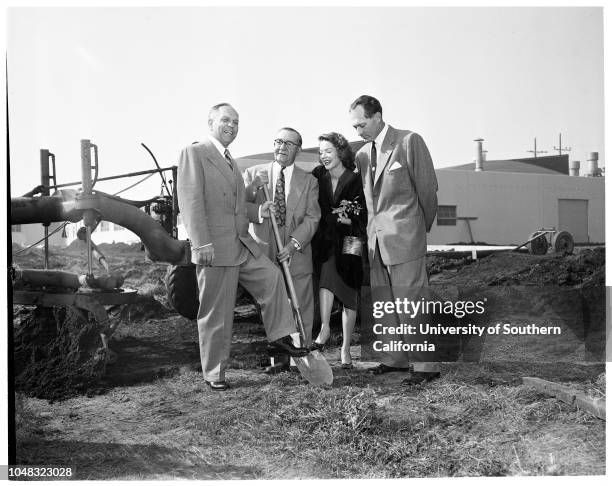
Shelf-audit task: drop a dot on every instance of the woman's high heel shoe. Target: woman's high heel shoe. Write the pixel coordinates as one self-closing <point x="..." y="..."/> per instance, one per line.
<point x="320" y="346"/>
<point x="346" y="364"/>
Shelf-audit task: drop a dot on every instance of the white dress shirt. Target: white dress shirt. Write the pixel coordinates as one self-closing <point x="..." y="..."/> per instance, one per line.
<point x="218" y="146"/>
<point x="379" y="141"/>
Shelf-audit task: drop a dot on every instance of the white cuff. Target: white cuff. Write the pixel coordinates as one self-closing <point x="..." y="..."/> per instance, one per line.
<point x="259" y="217"/>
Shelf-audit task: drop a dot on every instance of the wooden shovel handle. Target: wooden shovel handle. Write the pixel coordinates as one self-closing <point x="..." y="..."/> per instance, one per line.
<point x="286" y="272"/>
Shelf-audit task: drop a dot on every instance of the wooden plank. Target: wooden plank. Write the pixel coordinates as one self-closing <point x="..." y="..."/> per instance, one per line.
<point x="595" y="406"/>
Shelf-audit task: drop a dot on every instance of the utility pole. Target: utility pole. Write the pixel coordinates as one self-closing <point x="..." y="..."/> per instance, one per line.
<point x="535" y="150"/>
<point x="561" y="148"/>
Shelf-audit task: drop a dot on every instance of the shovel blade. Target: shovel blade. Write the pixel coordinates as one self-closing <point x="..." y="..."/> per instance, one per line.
<point x="315" y="369"/>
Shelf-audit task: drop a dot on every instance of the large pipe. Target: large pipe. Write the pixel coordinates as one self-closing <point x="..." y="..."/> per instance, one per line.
<point x="478" y="158"/>
<point x="61" y="279"/>
<point x="160" y="246"/>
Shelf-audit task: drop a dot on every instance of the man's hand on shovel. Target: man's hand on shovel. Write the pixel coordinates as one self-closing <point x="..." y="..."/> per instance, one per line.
<point x="286" y="253"/>
<point x="268" y="209"/>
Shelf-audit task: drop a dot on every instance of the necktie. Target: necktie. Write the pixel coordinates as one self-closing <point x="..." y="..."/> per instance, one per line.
<point x="279" y="198"/>
<point x="373" y="160"/>
<point x="229" y="159"/>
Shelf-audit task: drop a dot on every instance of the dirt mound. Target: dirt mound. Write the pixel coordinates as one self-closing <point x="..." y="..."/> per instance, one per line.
<point x="146" y="307"/>
<point x="510" y="268"/>
<point x="57" y="352"/>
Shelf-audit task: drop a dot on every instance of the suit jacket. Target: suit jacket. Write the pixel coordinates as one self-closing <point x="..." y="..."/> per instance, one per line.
<point x="330" y="235"/>
<point x="302" y="216"/>
<point x="402" y="201"/>
<point x="212" y="202"/>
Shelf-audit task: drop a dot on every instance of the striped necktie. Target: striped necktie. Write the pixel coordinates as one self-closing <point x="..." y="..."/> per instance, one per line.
<point x="229" y="159"/>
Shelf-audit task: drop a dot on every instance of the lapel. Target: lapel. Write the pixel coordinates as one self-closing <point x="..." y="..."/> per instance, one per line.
<point x="239" y="185"/>
<point x="216" y="159"/>
<point x="325" y="187"/>
<point x="386" y="150"/>
<point x="270" y="186"/>
<point x="296" y="187"/>
<point x="342" y="182"/>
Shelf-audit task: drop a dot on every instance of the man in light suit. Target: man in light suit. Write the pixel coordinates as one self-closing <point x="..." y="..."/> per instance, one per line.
<point x="211" y="196"/>
<point x="400" y="188"/>
<point x="297" y="225"/>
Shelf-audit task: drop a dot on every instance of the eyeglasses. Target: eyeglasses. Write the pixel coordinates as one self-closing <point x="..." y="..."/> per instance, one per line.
<point x="279" y="142"/>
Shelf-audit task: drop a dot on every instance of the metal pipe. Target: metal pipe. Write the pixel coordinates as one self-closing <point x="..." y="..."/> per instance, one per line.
<point x="45" y="209"/>
<point x="86" y="166"/>
<point x="44" y="182"/>
<point x="110" y="178"/>
<point x="89" y="256"/>
<point x="160" y="246"/>
<point x="89" y="216"/>
<point x="478" y="159"/>
<point x="44" y="171"/>
<point x="95" y="251"/>
<point x="60" y="278"/>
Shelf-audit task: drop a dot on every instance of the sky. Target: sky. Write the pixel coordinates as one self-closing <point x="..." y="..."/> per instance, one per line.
<point x="122" y="76"/>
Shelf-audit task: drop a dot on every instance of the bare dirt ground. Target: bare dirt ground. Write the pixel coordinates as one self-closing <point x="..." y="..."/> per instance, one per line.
<point x="152" y="417"/>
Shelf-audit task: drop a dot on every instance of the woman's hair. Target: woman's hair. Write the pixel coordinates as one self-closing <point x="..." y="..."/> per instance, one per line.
<point x="345" y="152"/>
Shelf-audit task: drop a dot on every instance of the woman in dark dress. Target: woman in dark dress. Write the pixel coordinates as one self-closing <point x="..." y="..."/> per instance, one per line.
<point x="340" y="273"/>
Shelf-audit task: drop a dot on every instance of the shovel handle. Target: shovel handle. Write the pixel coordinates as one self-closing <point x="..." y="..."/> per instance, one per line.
<point x="286" y="272"/>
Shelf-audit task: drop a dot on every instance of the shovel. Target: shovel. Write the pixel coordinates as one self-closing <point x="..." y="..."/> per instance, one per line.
<point x="313" y="367"/>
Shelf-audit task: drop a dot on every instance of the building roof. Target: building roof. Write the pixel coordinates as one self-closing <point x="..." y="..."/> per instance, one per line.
<point x="308" y="159"/>
<point x="552" y="164"/>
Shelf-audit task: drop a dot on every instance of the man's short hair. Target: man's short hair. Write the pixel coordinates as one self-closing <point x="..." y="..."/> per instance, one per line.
<point x="216" y="108"/>
<point x="370" y="105"/>
<point x="294" y="131"/>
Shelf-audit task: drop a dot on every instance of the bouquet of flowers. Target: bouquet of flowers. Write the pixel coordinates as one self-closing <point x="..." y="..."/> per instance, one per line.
<point x="347" y="208"/>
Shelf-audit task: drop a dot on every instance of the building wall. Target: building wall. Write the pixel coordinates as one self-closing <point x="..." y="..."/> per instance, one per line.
<point x="106" y="232"/>
<point x="27" y="234"/>
<point x="510" y="206"/>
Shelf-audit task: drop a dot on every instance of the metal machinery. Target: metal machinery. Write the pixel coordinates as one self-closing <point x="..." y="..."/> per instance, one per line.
<point x="540" y="241"/>
<point x="90" y="293"/>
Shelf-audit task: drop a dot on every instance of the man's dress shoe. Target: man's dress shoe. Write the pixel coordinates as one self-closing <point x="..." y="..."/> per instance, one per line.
<point x="318" y="346"/>
<point x="217" y="385"/>
<point x="420" y="377"/>
<point x="285" y="345"/>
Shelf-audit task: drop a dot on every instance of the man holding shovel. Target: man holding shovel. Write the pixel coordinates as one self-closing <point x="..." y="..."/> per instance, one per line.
<point x="294" y="205"/>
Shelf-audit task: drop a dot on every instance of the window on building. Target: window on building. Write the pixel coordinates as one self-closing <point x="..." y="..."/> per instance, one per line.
<point x="16" y="228"/>
<point x="104" y="226"/>
<point x="447" y="215"/>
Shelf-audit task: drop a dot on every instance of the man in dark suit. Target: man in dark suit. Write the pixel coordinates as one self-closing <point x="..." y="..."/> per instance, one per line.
<point x="400" y="188"/>
<point x="212" y="202"/>
<point x="298" y="192"/>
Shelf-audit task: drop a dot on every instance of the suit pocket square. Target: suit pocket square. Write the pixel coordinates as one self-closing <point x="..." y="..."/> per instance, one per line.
<point x="396" y="165"/>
